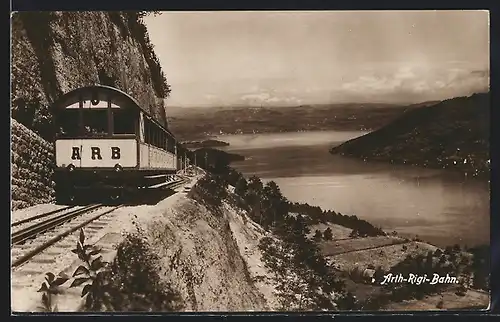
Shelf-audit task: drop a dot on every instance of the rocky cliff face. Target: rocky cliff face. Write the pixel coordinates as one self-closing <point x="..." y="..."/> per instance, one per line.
<point x="201" y="257"/>
<point x="56" y="52"/>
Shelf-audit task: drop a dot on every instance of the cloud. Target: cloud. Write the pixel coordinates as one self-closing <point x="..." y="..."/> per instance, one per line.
<point x="438" y="82"/>
<point x="256" y="97"/>
<point x="266" y="98"/>
<point x="404" y="73"/>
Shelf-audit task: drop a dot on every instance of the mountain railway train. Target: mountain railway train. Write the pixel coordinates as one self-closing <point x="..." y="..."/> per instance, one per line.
<point x="108" y="143"/>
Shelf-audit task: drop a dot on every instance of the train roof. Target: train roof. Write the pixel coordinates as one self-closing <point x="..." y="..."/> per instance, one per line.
<point x="116" y="95"/>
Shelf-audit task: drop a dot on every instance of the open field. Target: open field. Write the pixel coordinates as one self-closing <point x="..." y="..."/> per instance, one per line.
<point x="385" y="257"/>
<point x="336" y="247"/>
<point x="338" y="231"/>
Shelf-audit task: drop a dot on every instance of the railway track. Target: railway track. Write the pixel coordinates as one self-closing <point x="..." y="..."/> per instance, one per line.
<point x="23" y="221"/>
<point x="34" y="239"/>
<point x="35" y="234"/>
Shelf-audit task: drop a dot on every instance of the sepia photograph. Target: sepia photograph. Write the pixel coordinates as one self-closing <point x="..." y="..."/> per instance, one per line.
<point x="250" y="161"/>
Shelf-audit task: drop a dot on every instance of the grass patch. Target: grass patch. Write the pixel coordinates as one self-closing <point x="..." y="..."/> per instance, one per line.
<point x="334" y="247"/>
<point x="385" y="257"/>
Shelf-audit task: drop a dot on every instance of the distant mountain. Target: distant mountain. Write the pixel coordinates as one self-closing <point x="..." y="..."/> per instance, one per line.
<point x="199" y="123"/>
<point x="450" y="134"/>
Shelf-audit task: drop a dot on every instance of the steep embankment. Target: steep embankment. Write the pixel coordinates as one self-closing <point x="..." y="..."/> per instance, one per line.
<point x="56" y="52"/>
<point x="201" y="257"/>
<point x="208" y="258"/>
<point x="452" y="134"/>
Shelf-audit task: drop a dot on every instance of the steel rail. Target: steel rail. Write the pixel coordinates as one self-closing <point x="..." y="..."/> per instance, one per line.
<point x="24" y="258"/>
<point x="40" y="216"/>
<point x="31" y="231"/>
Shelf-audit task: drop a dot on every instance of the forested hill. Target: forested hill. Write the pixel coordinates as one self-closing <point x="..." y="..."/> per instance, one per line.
<point x="451" y="134"/>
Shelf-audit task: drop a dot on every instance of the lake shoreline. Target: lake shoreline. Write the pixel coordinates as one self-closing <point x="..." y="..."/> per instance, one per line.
<point x="433" y="204"/>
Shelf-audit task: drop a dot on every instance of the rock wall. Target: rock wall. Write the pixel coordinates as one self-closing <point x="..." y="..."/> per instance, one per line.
<point x="32" y="167"/>
<point x="56" y="52"/>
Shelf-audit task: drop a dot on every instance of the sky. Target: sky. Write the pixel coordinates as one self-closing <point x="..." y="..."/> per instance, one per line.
<point x="265" y="58"/>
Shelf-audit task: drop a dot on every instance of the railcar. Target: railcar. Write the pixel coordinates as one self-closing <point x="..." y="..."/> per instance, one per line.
<point x="108" y="143"/>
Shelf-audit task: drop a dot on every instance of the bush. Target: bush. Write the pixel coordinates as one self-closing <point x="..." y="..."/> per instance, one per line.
<point x="130" y="283"/>
<point x="135" y="279"/>
<point x="318" y="235"/>
<point x="327" y="234"/>
<point x="210" y="191"/>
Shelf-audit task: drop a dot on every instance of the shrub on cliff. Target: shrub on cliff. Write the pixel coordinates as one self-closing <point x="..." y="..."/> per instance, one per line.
<point x="139" y="32"/>
<point x="241" y="187"/>
<point x="135" y="278"/>
<point x="130" y="283"/>
<point x="210" y="190"/>
<point x="304" y="279"/>
<point x="303" y="283"/>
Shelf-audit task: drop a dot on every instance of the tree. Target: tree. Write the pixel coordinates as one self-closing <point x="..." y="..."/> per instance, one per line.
<point x="327" y="234"/>
<point x="142" y="14"/>
<point x="234" y="176"/>
<point x="318" y="235"/>
<point x="255" y="184"/>
<point x="275" y="206"/>
<point x="378" y="275"/>
<point x="241" y="187"/>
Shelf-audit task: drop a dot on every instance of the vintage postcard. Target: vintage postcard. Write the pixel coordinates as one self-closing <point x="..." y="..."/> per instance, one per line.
<point x="250" y="161"/>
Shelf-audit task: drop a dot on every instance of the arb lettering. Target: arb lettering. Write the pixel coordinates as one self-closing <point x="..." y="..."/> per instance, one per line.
<point x="115" y="152"/>
<point x="96" y="152"/>
<point x="75" y="154"/>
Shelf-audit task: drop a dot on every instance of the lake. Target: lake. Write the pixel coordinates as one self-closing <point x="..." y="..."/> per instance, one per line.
<point x="441" y="207"/>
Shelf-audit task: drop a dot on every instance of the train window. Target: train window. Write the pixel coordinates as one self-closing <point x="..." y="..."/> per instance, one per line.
<point x="163" y="142"/>
<point x="170" y="144"/>
<point x="155" y="135"/>
<point x="69" y="124"/>
<point x="147" y="131"/>
<point x="124" y="121"/>
<point x="95" y="121"/>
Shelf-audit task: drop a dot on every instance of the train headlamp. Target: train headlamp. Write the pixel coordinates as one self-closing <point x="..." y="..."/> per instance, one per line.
<point x="71" y="168"/>
<point x="118" y="167"/>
